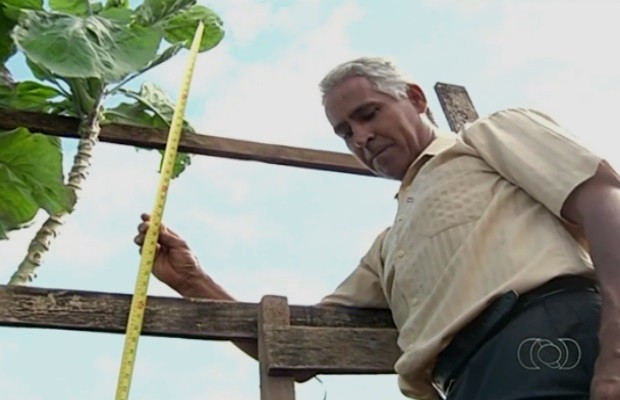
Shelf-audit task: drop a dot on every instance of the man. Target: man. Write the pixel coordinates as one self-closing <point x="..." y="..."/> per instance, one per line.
<point x="501" y="264"/>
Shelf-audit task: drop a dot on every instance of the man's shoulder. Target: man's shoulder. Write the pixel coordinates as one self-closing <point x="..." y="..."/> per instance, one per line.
<point x="516" y="114"/>
<point x="517" y="121"/>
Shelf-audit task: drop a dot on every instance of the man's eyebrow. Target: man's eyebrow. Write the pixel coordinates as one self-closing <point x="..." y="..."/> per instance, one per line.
<point x="354" y="114"/>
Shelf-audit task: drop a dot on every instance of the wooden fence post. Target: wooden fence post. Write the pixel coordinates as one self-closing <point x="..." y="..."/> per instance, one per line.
<point x="456" y="104"/>
<point x="273" y="312"/>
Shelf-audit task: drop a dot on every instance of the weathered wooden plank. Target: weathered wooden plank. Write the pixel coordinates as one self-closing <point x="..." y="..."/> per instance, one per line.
<point x="297" y="350"/>
<point x="165" y="316"/>
<point x="191" y="143"/>
<point x="456" y="104"/>
<point x="273" y="312"/>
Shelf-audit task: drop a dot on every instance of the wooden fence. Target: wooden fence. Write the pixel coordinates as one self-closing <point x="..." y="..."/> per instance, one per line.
<point x="292" y="340"/>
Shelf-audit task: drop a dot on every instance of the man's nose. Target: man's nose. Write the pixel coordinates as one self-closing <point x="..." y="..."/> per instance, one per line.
<point x="361" y="136"/>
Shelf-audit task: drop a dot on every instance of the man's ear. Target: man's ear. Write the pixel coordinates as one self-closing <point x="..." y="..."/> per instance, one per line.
<point x="416" y="97"/>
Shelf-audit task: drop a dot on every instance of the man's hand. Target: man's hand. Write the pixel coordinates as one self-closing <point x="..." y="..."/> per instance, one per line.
<point x="176" y="265"/>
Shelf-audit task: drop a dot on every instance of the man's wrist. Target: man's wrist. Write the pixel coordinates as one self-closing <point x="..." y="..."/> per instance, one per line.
<point x="202" y="286"/>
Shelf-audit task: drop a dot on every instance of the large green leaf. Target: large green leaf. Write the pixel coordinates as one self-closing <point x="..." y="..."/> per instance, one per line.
<point x="30" y="178"/>
<point x="164" y="56"/>
<point x="116" y="4"/>
<point x="121" y="16"/>
<point x="134" y="114"/>
<point x="13" y="9"/>
<point x="153" y="11"/>
<point x="76" y="47"/>
<point x="7" y="47"/>
<point x="74" y="7"/>
<point x="25" y="4"/>
<point x="155" y="100"/>
<point x="182" y="27"/>
<point x="28" y="95"/>
<point x="39" y="71"/>
<point x="153" y="109"/>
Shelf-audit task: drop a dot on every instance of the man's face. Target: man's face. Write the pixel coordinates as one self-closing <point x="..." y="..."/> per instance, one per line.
<point x="384" y="133"/>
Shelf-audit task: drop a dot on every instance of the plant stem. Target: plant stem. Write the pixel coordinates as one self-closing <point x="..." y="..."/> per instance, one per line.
<point x="89" y="131"/>
<point x="61" y="89"/>
<point x="5" y="76"/>
<point x="117" y="87"/>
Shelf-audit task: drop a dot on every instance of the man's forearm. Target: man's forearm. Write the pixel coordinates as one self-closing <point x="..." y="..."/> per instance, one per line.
<point x="206" y="288"/>
<point x="607" y="372"/>
<point x="602" y="228"/>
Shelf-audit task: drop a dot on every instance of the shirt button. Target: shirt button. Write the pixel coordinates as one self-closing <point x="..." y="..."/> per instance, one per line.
<point x="400" y="254"/>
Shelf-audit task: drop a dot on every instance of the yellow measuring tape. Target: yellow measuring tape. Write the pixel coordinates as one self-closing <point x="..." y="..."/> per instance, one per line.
<point x="138" y="302"/>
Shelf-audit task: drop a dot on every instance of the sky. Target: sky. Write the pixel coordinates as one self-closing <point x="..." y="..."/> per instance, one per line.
<point x="263" y="229"/>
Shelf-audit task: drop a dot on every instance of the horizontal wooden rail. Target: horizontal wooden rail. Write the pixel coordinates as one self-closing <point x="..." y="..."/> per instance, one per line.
<point x="328" y="340"/>
<point x="154" y="138"/>
<point x="165" y="316"/>
<point x="330" y="350"/>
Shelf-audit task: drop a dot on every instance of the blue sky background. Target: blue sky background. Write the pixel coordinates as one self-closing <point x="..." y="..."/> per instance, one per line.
<point x="261" y="229"/>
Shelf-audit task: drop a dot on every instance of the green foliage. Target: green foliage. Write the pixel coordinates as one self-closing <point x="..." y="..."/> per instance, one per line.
<point x="151" y="108"/>
<point x="121" y="16"/>
<point x="74" y="7"/>
<point x="93" y="46"/>
<point x="182" y="26"/>
<point x="33" y="96"/>
<point x="154" y="11"/>
<point x="7" y="47"/>
<point x="30" y="178"/>
<point x="116" y="4"/>
<point x="24" y="4"/>
<point x="82" y="49"/>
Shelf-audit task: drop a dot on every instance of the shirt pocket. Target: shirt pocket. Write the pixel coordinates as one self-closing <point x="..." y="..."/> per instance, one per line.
<point x="444" y="199"/>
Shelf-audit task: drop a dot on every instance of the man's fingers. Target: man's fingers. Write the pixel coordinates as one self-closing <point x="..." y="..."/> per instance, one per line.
<point x="169" y="238"/>
<point x="166" y="236"/>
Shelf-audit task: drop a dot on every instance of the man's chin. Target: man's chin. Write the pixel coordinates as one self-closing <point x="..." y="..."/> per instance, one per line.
<point x="385" y="173"/>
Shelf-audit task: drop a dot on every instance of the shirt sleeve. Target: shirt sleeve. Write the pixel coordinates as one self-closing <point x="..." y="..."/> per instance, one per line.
<point x="533" y="152"/>
<point x="362" y="288"/>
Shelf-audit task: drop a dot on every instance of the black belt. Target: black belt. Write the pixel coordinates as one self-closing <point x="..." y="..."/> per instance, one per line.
<point x="491" y="320"/>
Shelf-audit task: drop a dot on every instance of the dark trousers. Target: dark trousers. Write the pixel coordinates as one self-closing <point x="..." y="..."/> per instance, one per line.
<point x="544" y="351"/>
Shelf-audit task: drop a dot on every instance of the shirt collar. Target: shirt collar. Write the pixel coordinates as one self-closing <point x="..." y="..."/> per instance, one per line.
<point x="441" y="142"/>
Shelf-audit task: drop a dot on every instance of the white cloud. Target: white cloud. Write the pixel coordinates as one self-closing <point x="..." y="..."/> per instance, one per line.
<point x="574" y="33"/>
<point x="250" y="284"/>
<point x="245" y="19"/>
<point x="278" y="100"/>
<point x="240" y="228"/>
<point x="465" y="7"/>
<point x="563" y="53"/>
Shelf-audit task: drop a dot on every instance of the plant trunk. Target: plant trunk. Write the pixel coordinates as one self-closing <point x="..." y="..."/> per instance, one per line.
<point x="89" y="131"/>
<point x="5" y="76"/>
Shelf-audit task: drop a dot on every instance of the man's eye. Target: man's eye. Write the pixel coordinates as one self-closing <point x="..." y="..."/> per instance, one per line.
<point x="370" y="114"/>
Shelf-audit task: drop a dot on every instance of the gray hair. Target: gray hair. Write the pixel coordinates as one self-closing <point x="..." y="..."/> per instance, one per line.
<point x="381" y="73"/>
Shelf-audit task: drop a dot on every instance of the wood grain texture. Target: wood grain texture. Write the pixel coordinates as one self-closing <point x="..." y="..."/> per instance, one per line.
<point x="331" y="351"/>
<point x="165" y="316"/>
<point x="192" y="143"/>
<point x="273" y="313"/>
<point x="456" y="104"/>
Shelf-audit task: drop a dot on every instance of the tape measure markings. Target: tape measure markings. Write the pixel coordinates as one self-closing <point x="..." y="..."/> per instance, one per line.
<point x="138" y="301"/>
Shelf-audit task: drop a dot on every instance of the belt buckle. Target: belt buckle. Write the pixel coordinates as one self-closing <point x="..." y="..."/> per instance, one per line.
<point x="443" y="394"/>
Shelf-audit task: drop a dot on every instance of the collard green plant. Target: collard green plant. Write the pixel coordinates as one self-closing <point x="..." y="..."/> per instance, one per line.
<point x="81" y="53"/>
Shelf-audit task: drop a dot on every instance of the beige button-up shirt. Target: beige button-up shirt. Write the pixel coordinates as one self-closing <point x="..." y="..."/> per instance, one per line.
<point x="478" y="215"/>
